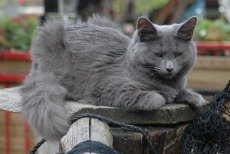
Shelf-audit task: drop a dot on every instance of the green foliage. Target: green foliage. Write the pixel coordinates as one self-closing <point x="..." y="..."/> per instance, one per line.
<point x="143" y="6"/>
<point x="17" y="33"/>
<point x="212" y="30"/>
<point x="117" y="5"/>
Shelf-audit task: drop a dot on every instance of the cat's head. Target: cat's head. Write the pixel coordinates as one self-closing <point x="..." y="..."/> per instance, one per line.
<point x="166" y="51"/>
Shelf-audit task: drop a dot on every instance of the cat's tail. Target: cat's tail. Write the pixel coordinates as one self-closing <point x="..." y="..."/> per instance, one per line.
<point x="42" y="93"/>
<point x="49" y="40"/>
<point x="43" y="106"/>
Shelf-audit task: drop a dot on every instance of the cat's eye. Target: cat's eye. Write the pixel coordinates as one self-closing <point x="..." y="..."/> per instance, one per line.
<point x="178" y="54"/>
<point x="158" y="54"/>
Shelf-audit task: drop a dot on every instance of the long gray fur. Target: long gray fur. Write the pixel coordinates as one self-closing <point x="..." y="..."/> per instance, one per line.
<point x="96" y="62"/>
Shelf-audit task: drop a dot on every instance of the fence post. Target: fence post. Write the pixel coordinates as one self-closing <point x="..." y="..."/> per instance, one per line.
<point x="86" y="129"/>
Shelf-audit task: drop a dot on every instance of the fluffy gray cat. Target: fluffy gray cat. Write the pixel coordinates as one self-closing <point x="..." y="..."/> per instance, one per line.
<point x="96" y="62"/>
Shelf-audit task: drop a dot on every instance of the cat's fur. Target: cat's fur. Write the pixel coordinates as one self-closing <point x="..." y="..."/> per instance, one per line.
<point x="96" y="62"/>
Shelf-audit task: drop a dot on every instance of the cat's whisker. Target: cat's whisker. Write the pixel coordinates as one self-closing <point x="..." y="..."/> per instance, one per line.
<point x="156" y="68"/>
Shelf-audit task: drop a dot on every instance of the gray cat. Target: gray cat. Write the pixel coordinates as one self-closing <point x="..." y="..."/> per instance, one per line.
<point x="96" y="62"/>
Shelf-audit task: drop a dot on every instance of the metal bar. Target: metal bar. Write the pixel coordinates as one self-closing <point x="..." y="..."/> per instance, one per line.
<point x="18" y="56"/>
<point x="26" y="138"/>
<point x="61" y="7"/>
<point x="7" y="131"/>
<point x="213" y="45"/>
<point x="11" y="78"/>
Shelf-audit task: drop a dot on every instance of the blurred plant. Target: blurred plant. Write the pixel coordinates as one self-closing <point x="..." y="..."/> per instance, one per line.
<point x="117" y="5"/>
<point x="212" y="30"/>
<point x="17" y="33"/>
<point x="144" y="6"/>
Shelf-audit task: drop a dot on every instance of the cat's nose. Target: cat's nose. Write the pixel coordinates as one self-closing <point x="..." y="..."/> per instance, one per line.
<point x="169" y="66"/>
<point x="169" y="69"/>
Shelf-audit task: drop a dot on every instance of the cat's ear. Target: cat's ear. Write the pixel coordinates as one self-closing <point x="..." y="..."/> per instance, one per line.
<point x="185" y="31"/>
<point x="146" y="30"/>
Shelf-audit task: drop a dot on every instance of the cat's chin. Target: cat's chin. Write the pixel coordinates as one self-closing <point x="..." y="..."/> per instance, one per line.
<point x="168" y="75"/>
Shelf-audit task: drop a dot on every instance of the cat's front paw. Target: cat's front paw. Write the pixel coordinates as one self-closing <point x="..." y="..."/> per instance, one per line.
<point x="152" y="100"/>
<point x="191" y="98"/>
